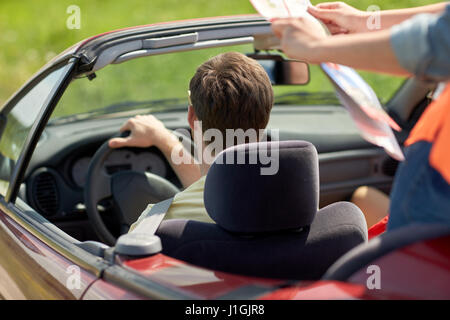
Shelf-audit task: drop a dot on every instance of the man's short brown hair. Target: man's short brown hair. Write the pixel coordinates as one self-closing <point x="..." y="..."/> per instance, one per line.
<point x="231" y="91"/>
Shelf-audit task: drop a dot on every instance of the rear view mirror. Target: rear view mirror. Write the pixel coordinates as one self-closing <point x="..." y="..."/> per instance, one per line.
<point x="282" y="71"/>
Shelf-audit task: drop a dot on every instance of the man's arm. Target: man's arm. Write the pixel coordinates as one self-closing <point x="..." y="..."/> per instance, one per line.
<point x="341" y="18"/>
<point x="147" y="131"/>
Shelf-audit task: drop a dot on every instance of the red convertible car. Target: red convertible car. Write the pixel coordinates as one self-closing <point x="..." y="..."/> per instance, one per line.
<point x="65" y="197"/>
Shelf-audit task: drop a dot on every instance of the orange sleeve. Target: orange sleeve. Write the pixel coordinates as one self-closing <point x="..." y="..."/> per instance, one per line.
<point x="434" y="126"/>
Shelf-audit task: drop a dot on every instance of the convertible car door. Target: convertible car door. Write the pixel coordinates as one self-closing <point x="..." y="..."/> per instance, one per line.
<point x="37" y="261"/>
<point x="30" y="268"/>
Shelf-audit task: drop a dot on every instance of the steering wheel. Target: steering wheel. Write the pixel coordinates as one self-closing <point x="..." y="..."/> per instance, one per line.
<point x="130" y="193"/>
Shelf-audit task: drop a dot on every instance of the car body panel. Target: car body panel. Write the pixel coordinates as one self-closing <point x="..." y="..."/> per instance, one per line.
<point x="200" y="283"/>
<point x="417" y="271"/>
<point x="103" y="290"/>
<point x="30" y="269"/>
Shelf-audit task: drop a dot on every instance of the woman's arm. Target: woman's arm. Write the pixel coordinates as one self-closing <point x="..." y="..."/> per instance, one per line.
<point x="419" y="46"/>
<point x="341" y="18"/>
<point x="372" y="52"/>
<point x="393" y="17"/>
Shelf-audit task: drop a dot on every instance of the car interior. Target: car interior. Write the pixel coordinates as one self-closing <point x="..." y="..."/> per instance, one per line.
<point x="72" y="160"/>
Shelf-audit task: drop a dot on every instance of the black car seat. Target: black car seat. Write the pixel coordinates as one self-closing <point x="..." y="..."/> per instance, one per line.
<point x="267" y="225"/>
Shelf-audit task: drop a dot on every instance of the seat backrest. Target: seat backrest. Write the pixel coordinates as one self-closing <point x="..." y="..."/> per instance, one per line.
<point x="263" y="187"/>
<point x="266" y="225"/>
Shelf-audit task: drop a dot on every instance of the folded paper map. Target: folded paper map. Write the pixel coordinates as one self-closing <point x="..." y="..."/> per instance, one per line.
<point x="281" y="8"/>
<point x="362" y="103"/>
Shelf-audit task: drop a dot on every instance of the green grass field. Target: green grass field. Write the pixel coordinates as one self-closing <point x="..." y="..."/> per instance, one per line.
<point x="32" y="32"/>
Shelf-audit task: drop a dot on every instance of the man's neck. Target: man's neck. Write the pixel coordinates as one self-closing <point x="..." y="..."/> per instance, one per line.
<point x="204" y="167"/>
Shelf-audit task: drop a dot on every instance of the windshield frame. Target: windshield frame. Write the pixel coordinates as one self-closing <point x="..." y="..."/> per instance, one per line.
<point x="41" y="119"/>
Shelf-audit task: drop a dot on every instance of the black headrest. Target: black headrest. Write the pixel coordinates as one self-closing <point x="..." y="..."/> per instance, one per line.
<point x="243" y="195"/>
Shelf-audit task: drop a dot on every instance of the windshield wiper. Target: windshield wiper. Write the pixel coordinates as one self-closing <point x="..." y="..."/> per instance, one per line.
<point x="128" y="107"/>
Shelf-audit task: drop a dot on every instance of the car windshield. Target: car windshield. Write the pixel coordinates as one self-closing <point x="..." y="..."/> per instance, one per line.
<point x="160" y="83"/>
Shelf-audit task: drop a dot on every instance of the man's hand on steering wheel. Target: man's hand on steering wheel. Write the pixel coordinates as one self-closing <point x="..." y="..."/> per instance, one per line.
<point x="145" y="131"/>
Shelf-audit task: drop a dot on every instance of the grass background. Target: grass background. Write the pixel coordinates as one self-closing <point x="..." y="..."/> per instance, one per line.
<point x="34" y="31"/>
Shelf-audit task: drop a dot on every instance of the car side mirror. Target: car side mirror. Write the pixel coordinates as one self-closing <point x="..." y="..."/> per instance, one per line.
<point x="282" y="71"/>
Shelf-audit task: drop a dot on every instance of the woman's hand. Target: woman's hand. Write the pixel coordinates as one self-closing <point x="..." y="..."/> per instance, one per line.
<point x="340" y="18"/>
<point x="298" y="37"/>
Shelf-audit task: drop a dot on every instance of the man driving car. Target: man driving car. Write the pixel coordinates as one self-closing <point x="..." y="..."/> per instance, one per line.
<point x="229" y="91"/>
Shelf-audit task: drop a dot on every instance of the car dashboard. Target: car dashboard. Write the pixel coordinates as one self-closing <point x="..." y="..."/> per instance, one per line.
<point x="55" y="179"/>
<point x="120" y="160"/>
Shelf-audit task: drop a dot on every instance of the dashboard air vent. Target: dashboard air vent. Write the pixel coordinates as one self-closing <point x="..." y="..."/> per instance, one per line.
<point x="45" y="193"/>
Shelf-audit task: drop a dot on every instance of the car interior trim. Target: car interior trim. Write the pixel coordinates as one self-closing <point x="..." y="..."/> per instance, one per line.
<point x="111" y="50"/>
<point x="186" y="47"/>
<point x="156" y="43"/>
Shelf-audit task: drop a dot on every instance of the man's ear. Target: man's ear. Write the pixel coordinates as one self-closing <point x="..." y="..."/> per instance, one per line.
<point x="192" y="117"/>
